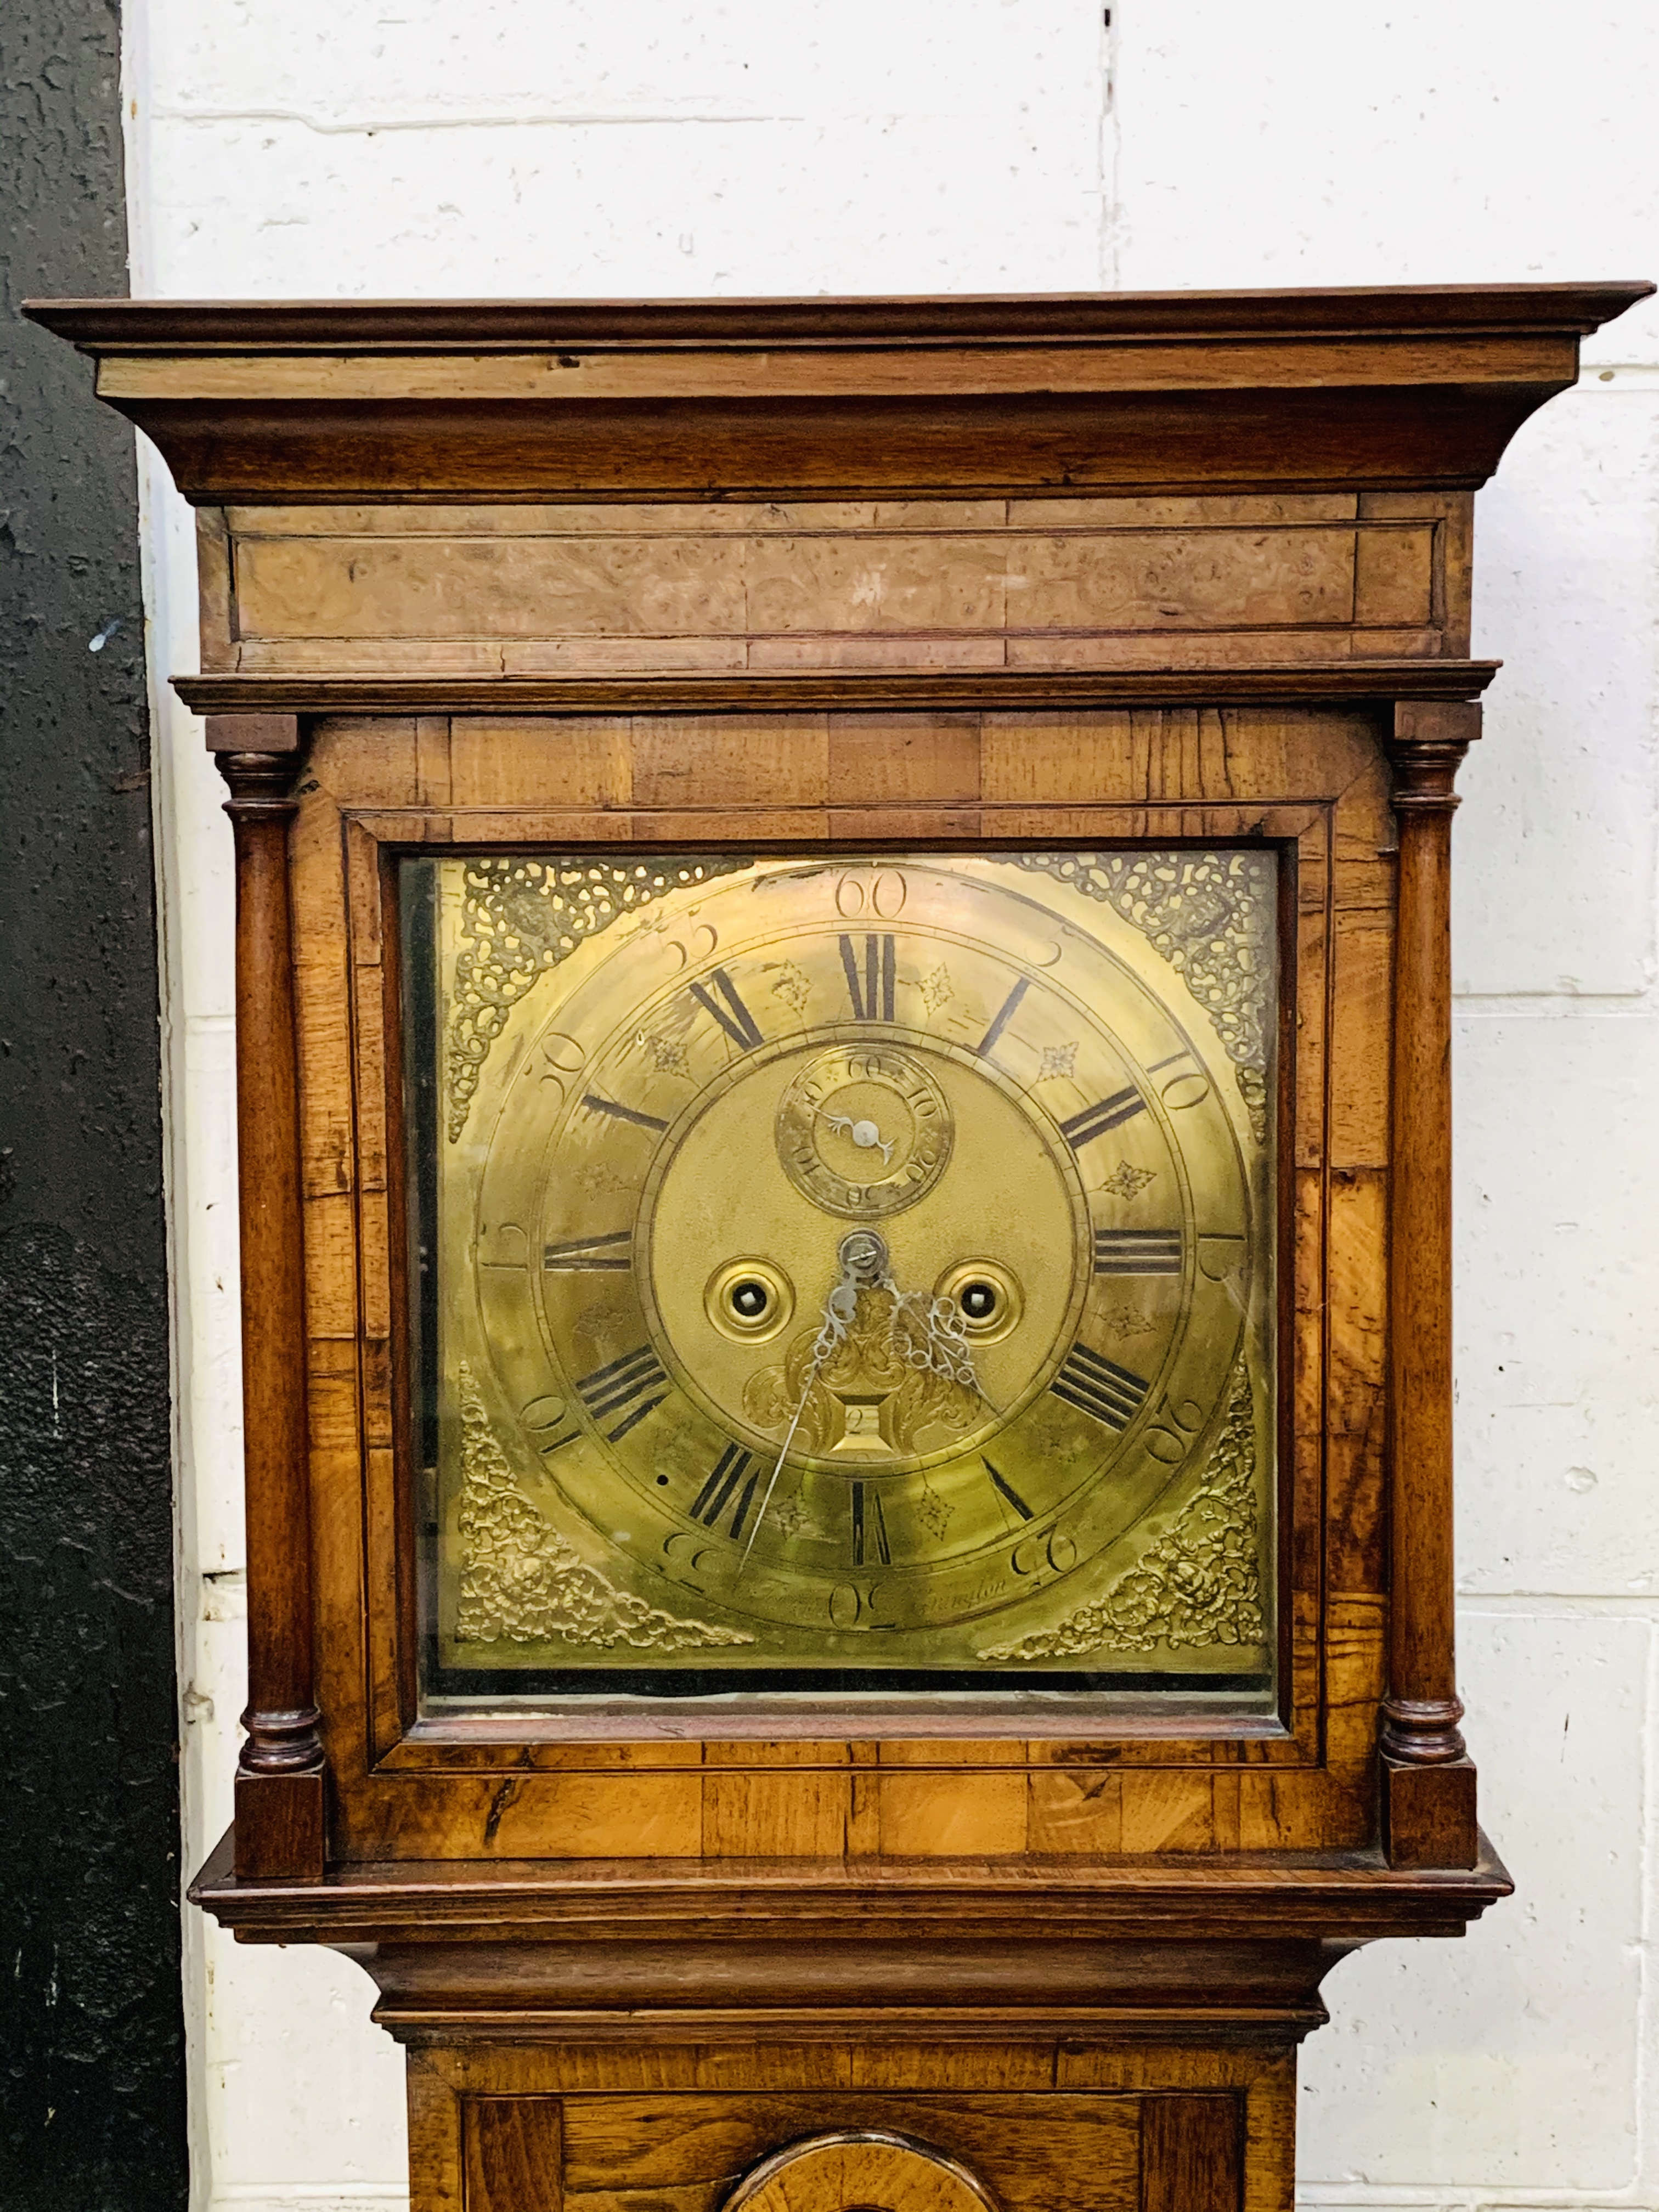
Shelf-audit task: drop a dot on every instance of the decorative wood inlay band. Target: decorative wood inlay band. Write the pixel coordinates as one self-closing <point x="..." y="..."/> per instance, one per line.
<point x="987" y="690"/>
<point x="818" y="372"/>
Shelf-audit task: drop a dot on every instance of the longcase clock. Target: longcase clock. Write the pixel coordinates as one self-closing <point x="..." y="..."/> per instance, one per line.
<point x="842" y="1042"/>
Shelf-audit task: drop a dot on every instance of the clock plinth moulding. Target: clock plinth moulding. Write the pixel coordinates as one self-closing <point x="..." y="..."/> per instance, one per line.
<point x="776" y="583"/>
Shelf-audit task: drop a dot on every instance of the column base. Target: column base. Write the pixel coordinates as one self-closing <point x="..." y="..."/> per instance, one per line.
<point x="1428" y="1815"/>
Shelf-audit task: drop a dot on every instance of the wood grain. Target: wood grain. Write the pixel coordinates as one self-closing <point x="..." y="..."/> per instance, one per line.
<point x="280" y="1793"/>
<point x="1192" y="2153"/>
<point x="1127" y="569"/>
<point x="1423" y="1707"/>
<point x="473" y="326"/>
<point x="1337" y="682"/>
<point x="514" y="2154"/>
<point x="460" y="1789"/>
<point x="898" y="400"/>
<point x="847" y="2169"/>
<point x="1033" y="2152"/>
<point x="824" y="587"/>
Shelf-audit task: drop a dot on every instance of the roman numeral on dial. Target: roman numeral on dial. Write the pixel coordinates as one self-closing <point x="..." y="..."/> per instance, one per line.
<point x="632" y="1386"/>
<point x="734" y="1018"/>
<point x="1006" y="1491"/>
<point x="1105" y="1114"/>
<point x="869" y="1527"/>
<point x="1099" y="1387"/>
<point x="1137" y="1251"/>
<point x="732" y="1467"/>
<point x="872" y="994"/>
<point x="590" y="1255"/>
<point x="1006" y="1013"/>
<point x="595" y="1104"/>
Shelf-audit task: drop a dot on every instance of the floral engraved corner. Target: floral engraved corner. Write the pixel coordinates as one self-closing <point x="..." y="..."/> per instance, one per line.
<point x="1212" y="916"/>
<point x="521" y="1583"/>
<point x="519" y="918"/>
<point x="1199" y="1585"/>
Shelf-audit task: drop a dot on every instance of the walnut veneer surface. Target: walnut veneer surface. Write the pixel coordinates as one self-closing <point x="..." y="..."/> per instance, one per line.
<point x="803" y="575"/>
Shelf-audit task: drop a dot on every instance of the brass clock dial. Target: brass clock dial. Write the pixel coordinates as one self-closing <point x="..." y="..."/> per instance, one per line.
<point x="846" y="1266"/>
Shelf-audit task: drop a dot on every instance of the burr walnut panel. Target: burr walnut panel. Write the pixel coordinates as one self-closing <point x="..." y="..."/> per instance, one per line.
<point x="837" y="585"/>
<point x="1140" y="575"/>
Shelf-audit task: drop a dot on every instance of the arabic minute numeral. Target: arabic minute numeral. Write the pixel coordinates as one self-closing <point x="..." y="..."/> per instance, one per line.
<point x="550" y="1423"/>
<point x="1188" y="1085"/>
<point x="1098" y="1387"/>
<point x="1170" y="1438"/>
<point x="632" y="1387"/>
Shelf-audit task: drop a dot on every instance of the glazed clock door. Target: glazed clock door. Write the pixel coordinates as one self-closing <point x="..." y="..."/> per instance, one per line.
<point x="844" y="1274"/>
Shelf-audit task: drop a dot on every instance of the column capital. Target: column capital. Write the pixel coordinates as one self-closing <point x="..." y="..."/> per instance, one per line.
<point x="1426" y="749"/>
<point x="261" y="785"/>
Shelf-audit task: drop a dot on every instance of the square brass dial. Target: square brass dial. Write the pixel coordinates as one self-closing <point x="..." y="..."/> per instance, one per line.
<point x="849" y="1273"/>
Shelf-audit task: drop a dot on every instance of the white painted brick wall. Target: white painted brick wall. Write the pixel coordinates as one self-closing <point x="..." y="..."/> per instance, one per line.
<point x="283" y="147"/>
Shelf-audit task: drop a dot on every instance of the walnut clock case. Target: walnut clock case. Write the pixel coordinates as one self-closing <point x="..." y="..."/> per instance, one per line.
<point x="842" y="1042"/>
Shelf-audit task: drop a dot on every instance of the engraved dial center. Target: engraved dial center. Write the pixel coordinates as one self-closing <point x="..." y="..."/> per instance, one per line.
<point x="773" y="1204"/>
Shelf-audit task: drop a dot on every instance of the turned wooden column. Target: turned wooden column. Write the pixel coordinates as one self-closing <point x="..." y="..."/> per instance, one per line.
<point x="1428" y="1782"/>
<point x="280" y="1777"/>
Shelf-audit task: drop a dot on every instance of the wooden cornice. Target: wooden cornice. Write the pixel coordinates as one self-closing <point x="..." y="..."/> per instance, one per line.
<point x="1345" y="683"/>
<point x="813" y="400"/>
<point x="467" y="326"/>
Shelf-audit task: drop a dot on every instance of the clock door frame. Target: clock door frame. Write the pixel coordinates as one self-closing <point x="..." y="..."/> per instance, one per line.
<point x="1315" y="782"/>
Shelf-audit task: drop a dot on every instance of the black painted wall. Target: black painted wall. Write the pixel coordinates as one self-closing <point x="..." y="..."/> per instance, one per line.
<point x="91" y="2033"/>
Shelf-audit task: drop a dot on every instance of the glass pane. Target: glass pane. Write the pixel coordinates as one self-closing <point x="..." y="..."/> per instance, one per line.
<point x="847" y="1277"/>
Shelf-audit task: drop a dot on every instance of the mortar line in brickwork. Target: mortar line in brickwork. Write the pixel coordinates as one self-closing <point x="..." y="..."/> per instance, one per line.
<point x="1530" y="1604"/>
<point x="374" y="126"/>
<point x="1558" y="1005"/>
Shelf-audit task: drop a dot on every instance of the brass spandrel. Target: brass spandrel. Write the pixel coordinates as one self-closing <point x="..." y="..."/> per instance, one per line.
<point x="849" y="1270"/>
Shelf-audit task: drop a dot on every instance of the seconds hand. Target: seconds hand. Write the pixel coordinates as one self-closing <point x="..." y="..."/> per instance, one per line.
<point x="865" y="1134"/>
